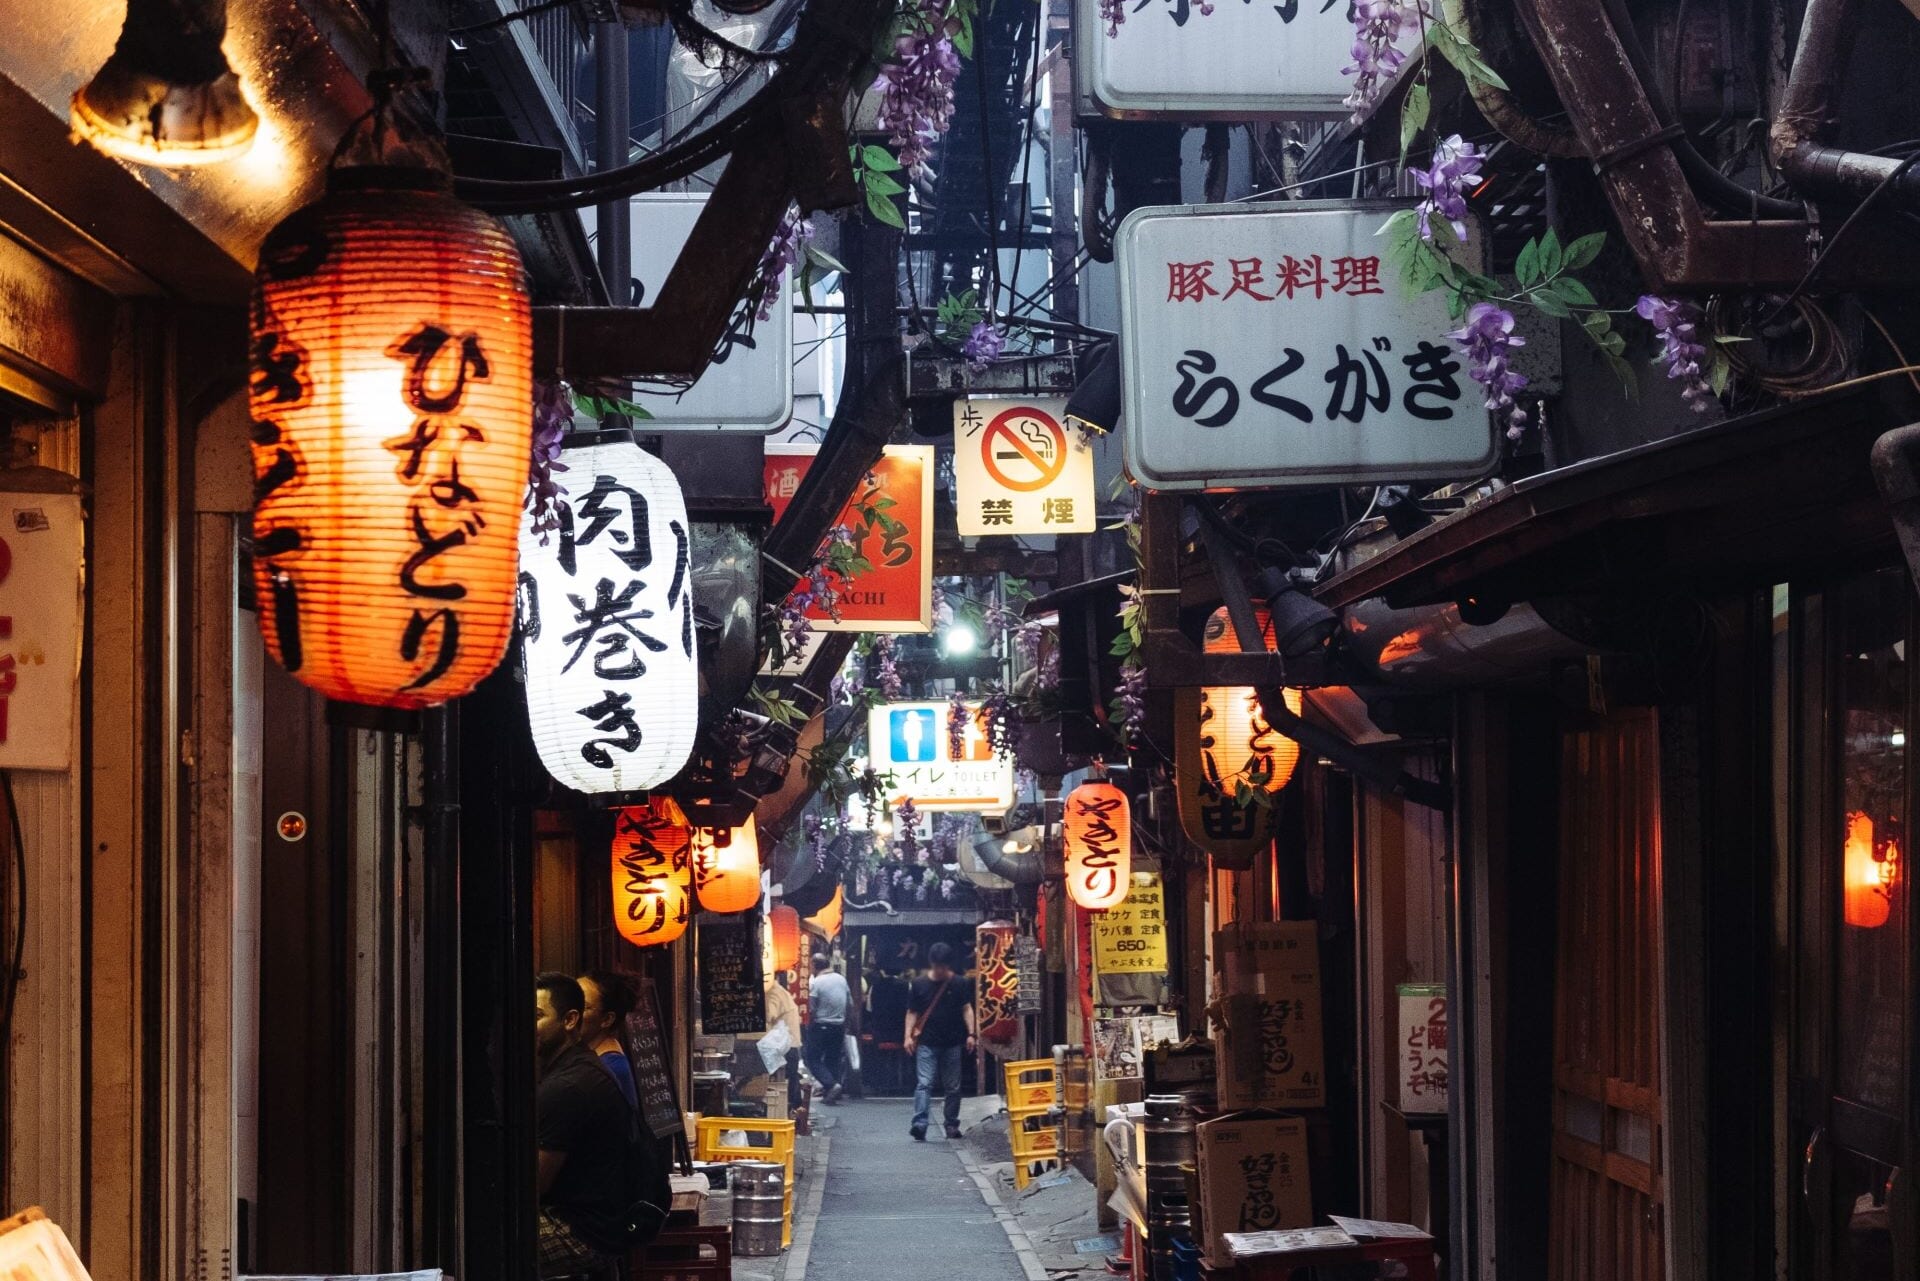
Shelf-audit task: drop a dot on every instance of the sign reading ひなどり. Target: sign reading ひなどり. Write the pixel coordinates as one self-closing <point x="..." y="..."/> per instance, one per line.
<point x="1019" y="469"/>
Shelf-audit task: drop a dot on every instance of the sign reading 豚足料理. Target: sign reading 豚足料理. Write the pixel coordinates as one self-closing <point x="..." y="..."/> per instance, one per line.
<point x="1019" y="469"/>
<point x="1132" y="937"/>
<point x="896" y="594"/>
<point x="1265" y="347"/>
<point x="1175" y="59"/>
<point x="912" y="742"/>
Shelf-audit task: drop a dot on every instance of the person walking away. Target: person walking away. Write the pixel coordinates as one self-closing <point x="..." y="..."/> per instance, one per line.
<point x="827" y="997"/>
<point x="939" y="1029"/>
<point x="609" y="1000"/>
<point x="583" y="1129"/>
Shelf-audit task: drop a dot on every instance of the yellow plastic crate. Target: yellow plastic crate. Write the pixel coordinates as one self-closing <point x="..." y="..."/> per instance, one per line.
<point x="708" y="1147"/>
<point x="1030" y="1083"/>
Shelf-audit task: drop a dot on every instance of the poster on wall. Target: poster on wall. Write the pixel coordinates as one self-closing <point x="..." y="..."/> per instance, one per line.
<point x="1132" y="937"/>
<point x="997" y="986"/>
<point x="890" y="517"/>
<point x="42" y="537"/>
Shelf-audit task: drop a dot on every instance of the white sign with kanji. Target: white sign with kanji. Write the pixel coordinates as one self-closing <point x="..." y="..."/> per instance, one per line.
<point x="915" y="744"/>
<point x="1190" y="59"/>
<point x="1264" y="346"/>
<point x="42" y="540"/>
<point x="1018" y="468"/>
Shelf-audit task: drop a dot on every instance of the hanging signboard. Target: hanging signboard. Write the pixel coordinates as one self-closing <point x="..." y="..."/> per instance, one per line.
<point x="910" y="741"/>
<point x="997" y="986"/>
<point x="1265" y="347"/>
<point x="1423" y="1047"/>
<point x="896" y="595"/>
<point x="749" y="385"/>
<point x="727" y="963"/>
<point x="1131" y="938"/>
<point x="42" y="539"/>
<point x="1019" y="469"/>
<point x="1174" y="60"/>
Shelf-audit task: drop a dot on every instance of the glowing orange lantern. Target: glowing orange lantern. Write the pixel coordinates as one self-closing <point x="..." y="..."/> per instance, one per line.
<point x="726" y="866"/>
<point x="1098" y="830"/>
<point x="783" y="925"/>
<point x="392" y="393"/>
<point x="829" y="918"/>
<point x="1236" y="743"/>
<point x="1870" y="872"/>
<point x="652" y="873"/>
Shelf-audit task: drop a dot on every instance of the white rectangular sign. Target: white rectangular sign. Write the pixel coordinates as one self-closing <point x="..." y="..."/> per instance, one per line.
<point x="1018" y="468"/>
<point x="911" y="741"/>
<point x="749" y="385"/>
<point x="42" y="539"/>
<point x="1245" y="59"/>
<point x="1265" y="346"/>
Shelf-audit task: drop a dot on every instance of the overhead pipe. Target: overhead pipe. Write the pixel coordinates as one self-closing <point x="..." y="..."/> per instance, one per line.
<point x="1810" y="106"/>
<point x="1497" y="106"/>
<point x="1896" y="473"/>
<point x="1022" y="867"/>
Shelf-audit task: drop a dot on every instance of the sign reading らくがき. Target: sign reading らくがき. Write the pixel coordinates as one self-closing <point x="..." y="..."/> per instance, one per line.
<point x="1019" y="469"/>
<point x="1267" y="347"/>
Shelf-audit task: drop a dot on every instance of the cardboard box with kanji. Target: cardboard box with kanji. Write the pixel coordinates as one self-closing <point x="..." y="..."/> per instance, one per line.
<point x="1252" y="1172"/>
<point x="1268" y="1019"/>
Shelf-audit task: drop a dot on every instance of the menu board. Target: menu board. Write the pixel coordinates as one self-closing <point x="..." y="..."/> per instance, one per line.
<point x="1026" y="960"/>
<point x="733" y="996"/>
<point x="647" y="1050"/>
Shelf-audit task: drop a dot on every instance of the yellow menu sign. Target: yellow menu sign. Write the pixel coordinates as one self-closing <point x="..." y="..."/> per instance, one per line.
<point x="1132" y="938"/>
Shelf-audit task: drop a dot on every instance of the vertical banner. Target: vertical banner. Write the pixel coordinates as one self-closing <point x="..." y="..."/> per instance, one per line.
<point x="890" y="515"/>
<point x="997" y="989"/>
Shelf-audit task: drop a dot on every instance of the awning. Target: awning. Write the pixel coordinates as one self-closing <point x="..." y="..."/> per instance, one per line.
<point x="1748" y="501"/>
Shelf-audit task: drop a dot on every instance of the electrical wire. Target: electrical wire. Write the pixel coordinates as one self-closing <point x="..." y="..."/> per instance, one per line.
<point x="507" y="19"/>
<point x="10" y="983"/>
<point x="1826" y="249"/>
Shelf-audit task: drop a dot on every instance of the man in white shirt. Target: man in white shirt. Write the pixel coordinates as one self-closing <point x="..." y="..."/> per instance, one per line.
<point x="826" y="1026"/>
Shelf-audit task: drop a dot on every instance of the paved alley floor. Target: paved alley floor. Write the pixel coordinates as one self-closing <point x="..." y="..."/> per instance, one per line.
<point x="896" y="1210"/>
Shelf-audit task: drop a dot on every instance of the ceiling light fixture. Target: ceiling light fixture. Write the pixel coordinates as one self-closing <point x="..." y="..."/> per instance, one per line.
<point x="167" y="96"/>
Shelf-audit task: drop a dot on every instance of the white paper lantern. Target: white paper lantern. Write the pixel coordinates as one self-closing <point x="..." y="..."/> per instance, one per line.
<point x="607" y="622"/>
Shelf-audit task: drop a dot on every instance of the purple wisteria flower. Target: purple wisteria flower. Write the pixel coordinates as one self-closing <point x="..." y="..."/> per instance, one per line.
<point x="996" y="709"/>
<point x="1113" y="13"/>
<point x="552" y="414"/>
<point x="904" y="820"/>
<point x="1677" y="322"/>
<point x="886" y="675"/>
<point x="1488" y="339"/>
<point x="916" y="89"/>
<point x="1455" y="164"/>
<point x="958" y="714"/>
<point x="814" y="830"/>
<point x="1132" y="702"/>
<point x="1377" y="28"/>
<point x="984" y="345"/>
<point x="790" y="240"/>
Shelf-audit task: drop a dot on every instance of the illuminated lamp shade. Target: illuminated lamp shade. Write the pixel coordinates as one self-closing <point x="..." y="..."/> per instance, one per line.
<point x="1235" y="740"/>
<point x="783" y="925"/>
<point x="606" y="623"/>
<point x="829" y="918"/>
<point x="1098" y="834"/>
<point x="1870" y="873"/>
<point x="167" y="95"/>
<point x="726" y="867"/>
<point x="652" y="873"/>
<point x="392" y="394"/>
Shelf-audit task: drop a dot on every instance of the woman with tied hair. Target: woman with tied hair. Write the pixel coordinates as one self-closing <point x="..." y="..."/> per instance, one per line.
<point x="610" y="999"/>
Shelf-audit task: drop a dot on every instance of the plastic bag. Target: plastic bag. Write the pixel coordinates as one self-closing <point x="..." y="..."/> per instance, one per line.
<point x="853" y="1053"/>
<point x="773" y="1047"/>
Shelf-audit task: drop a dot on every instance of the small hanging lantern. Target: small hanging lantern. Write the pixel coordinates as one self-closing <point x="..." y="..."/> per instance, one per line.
<point x="829" y="918"/>
<point x="726" y="866"/>
<point x="607" y="622"/>
<point x="1870" y="870"/>
<point x="783" y="926"/>
<point x="1236" y="741"/>
<point x="392" y="394"/>
<point x="1098" y="834"/>
<point x="652" y="873"/>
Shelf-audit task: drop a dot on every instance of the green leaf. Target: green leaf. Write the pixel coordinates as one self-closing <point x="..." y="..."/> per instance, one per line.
<point x="1456" y="304"/>
<point x="1573" y="292"/>
<point x="1122" y="646"/>
<point x="1413" y="116"/>
<point x="884" y="210"/>
<point x="1402" y="222"/>
<point x="1583" y="251"/>
<point x="1544" y="300"/>
<point x="882" y="184"/>
<point x="1527" y="266"/>
<point x="826" y="260"/>
<point x="1551" y="260"/>
<point x="1629" y="383"/>
<point x="963" y="39"/>
<point x="1597" y="324"/>
<point x="1719" y="372"/>
<point x="875" y="156"/>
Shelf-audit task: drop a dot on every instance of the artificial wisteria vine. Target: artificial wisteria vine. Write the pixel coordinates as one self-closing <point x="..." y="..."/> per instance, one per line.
<point x="784" y="251"/>
<point x="916" y="85"/>
<point x="1676" y="322"/>
<point x="552" y="415"/>
<point x="1489" y="340"/>
<point x="1378" y="26"/>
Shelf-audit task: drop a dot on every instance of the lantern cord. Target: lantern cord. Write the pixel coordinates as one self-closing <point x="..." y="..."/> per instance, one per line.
<point x="11" y="986"/>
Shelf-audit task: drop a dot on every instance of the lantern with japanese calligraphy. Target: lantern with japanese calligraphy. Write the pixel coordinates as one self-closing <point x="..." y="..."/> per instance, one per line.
<point x="829" y="918"/>
<point x="1098" y="832"/>
<point x="726" y="866"/>
<point x="1870" y="869"/>
<point x="1229" y="751"/>
<point x="783" y="927"/>
<point x="392" y="393"/>
<point x="607" y="622"/>
<point x="652" y="873"/>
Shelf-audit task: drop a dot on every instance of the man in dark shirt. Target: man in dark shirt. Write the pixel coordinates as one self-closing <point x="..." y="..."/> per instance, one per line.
<point x="584" y="1128"/>
<point x="939" y="1030"/>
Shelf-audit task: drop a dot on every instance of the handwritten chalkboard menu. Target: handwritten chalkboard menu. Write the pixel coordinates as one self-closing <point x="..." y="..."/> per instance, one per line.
<point x="732" y="997"/>
<point x="647" y="1049"/>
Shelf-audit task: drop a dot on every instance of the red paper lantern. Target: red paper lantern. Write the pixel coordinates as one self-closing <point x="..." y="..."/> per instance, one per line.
<point x="1870" y="871"/>
<point x="726" y="866"/>
<point x="392" y="393"/>
<point x="652" y="873"/>
<point x="1236" y="741"/>
<point x="1098" y="830"/>
<point x="783" y="925"/>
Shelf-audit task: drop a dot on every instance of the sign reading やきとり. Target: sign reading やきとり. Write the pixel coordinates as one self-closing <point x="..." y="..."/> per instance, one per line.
<point x="911" y="743"/>
<point x="1019" y="469"/>
<point x="1265" y="347"/>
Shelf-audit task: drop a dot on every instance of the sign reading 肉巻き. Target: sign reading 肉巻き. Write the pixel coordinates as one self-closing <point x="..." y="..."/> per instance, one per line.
<point x="1132" y="937"/>
<point x="1266" y="347"/>
<point x="912" y="743"/>
<point x="1019" y="469"/>
<point x="1172" y="59"/>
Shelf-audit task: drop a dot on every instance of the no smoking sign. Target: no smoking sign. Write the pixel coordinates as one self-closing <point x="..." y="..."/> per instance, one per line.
<point x="1020" y="470"/>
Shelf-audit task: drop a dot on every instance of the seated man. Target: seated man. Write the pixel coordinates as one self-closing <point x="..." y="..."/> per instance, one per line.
<point x="584" y="1129"/>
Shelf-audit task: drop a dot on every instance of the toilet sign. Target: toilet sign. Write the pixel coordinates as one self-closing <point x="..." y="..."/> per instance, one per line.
<point x="914" y="744"/>
<point x="1019" y="469"/>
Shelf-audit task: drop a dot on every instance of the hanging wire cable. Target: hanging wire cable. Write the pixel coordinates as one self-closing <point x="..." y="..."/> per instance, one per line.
<point x="10" y="981"/>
